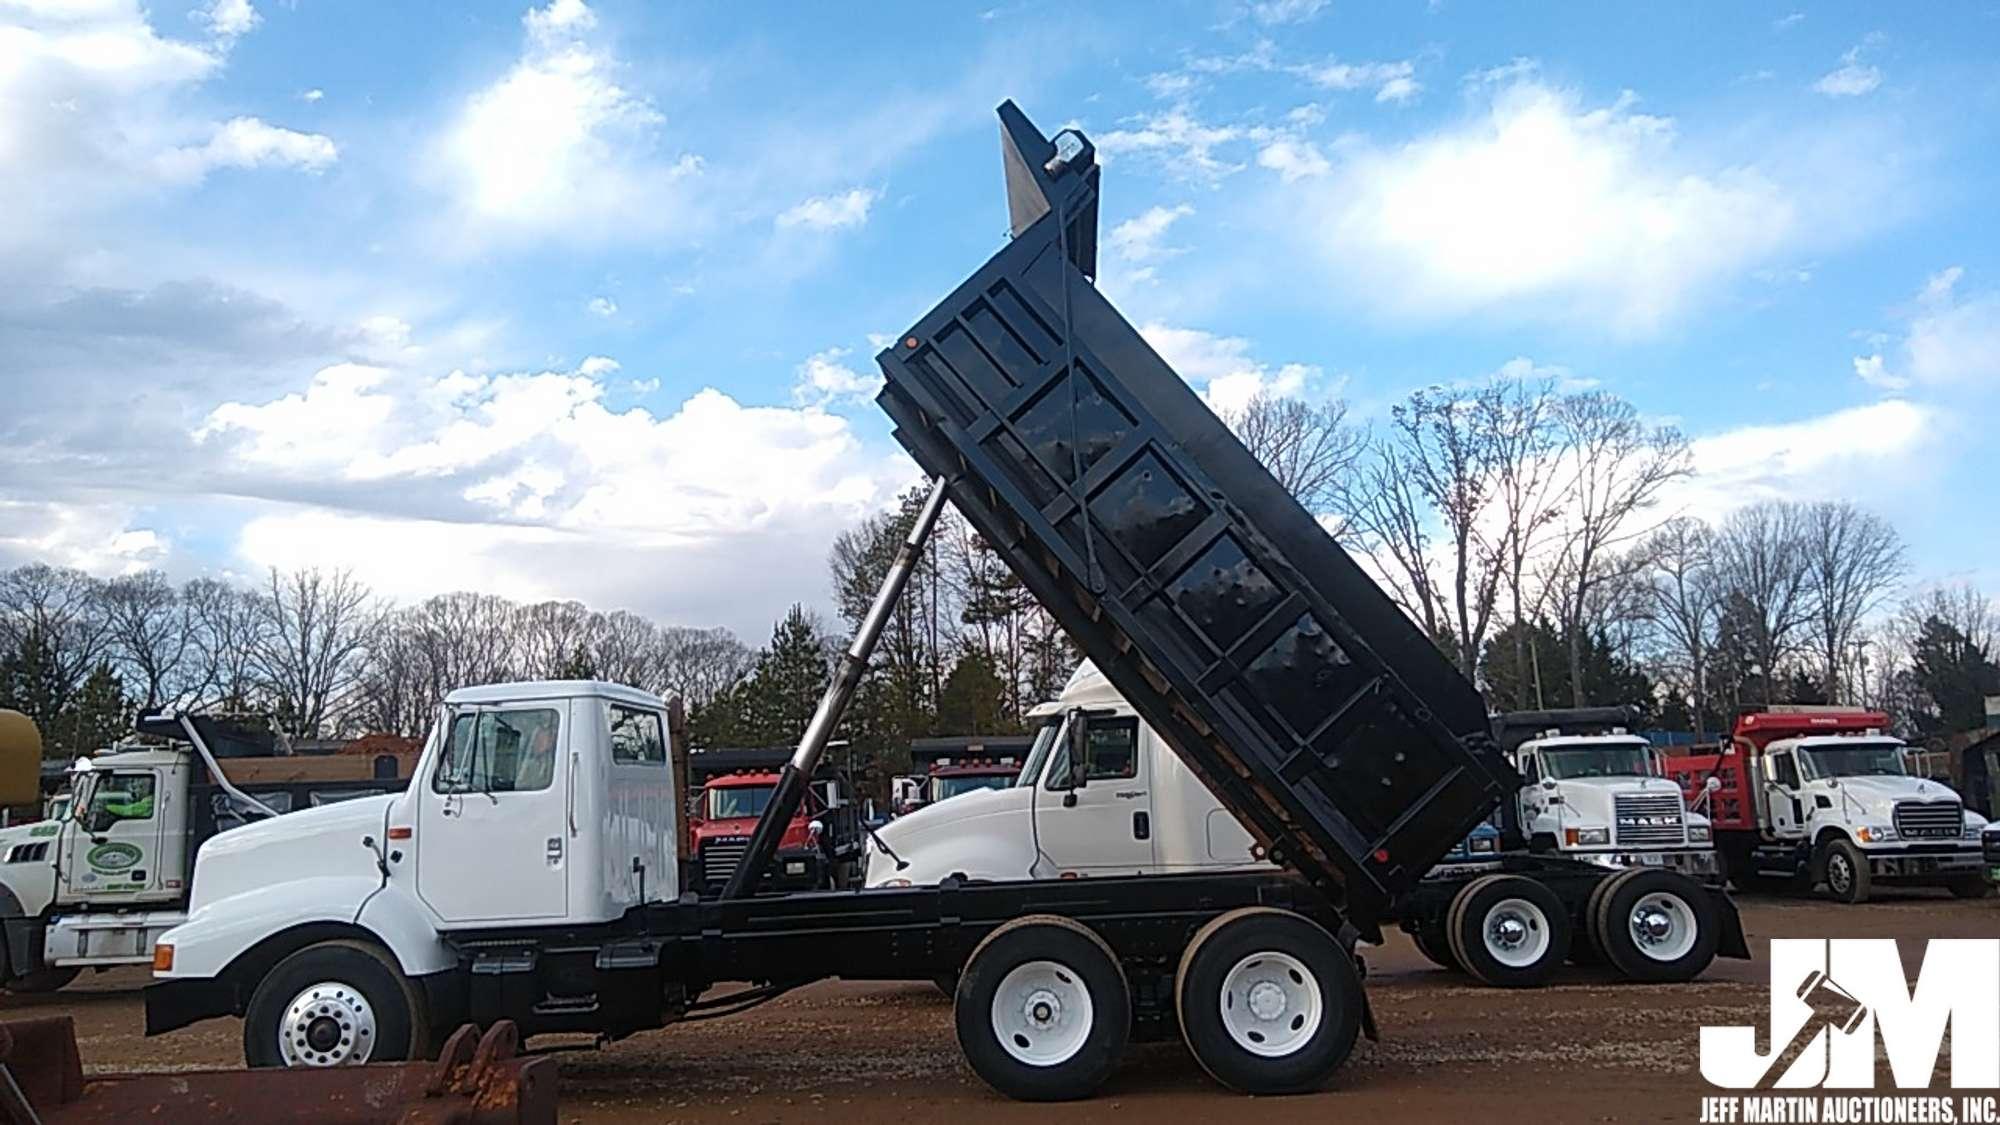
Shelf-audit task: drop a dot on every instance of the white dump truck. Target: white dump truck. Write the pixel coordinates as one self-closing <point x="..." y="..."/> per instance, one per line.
<point x="1595" y="791"/>
<point x="96" y="885"/>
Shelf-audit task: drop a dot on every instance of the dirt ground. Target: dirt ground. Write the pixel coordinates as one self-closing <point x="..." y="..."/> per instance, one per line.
<point x="1584" y="1050"/>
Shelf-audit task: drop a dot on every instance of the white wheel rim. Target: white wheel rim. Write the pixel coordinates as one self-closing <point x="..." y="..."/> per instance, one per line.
<point x="1271" y="1004"/>
<point x="1839" y="875"/>
<point x="1516" y="933"/>
<point x="327" y="1024"/>
<point x="1663" y="927"/>
<point x="1042" y="1013"/>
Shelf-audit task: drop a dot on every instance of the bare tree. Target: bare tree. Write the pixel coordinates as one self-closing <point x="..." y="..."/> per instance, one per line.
<point x="554" y="634"/>
<point x="1853" y="559"/>
<point x="62" y="611"/>
<point x="698" y="664"/>
<point x="1435" y="467"/>
<point x="1310" y="449"/>
<point x="1527" y="493"/>
<point x="626" y="652"/>
<point x="151" y="630"/>
<point x="1614" y="467"/>
<point x="1683" y="599"/>
<point x="227" y="626"/>
<point x="1760" y="567"/>
<point x="316" y="624"/>
<point x="397" y="692"/>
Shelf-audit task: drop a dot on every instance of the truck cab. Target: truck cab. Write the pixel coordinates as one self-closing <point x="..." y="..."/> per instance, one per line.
<point x="1133" y="808"/>
<point x="821" y="842"/>
<point x="956" y="765"/>
<point x="1823" y="795"/>
<point x="1595" y="792"/>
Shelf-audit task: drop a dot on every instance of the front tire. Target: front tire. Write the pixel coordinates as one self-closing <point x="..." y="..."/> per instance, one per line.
<point x="1269" y="1002"/>
<point x="1043" y="1011"/>
<point x="1970" y="886"/>
<point x="1656" y="926"/>
<point x="1509" y="932"/>
<point x="1845" y="871"/>
<point x="337" y="1003"/>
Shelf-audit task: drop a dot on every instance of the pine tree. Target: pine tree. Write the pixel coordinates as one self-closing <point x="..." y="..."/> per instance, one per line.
<point x="974" y="700"/>
<point x="790" y="677"/>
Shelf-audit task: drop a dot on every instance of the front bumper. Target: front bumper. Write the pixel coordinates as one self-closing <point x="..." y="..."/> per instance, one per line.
<point x="1926" y="861"/>
<point x="1696" y="863"/>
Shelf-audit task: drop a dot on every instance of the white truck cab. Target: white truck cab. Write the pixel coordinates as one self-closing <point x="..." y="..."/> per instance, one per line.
<point x="1604" y="797"/>
<point x="1134" y="809"/>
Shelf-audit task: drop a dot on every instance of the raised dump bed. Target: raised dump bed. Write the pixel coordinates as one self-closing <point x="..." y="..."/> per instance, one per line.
<point x="1283" y="676"/>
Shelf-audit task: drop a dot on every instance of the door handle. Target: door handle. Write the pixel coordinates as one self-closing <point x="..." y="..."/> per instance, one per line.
<point x="1142" y="826"/>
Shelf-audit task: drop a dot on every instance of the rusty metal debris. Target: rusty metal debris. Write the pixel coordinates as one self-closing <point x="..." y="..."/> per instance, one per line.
<point x="477" y="1080"/>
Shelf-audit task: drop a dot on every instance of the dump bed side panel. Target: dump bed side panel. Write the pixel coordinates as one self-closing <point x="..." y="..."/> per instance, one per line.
<point x="1273" y="665"/>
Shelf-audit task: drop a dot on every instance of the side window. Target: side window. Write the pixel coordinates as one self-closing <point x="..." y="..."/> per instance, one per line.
<point x="499" y="752"/>
<point x="1531" y="769"/>
<point x="1112" y="746"/>
<point x="1785" y="770"/>
<point x="635" y="737"/>
<point x="122" y="796"/>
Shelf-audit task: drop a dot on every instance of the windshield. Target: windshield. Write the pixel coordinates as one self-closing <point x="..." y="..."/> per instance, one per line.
<point x="1611" y="759"/>
<point x="1038" y="754"/>
<point x="944" y="787"/>
<point x="59" y="807"/>
<point x="738" y="801"/>
<point x="1867" y="759"/>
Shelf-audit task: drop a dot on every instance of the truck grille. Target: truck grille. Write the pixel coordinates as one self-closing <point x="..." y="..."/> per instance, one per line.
<point x="1932" y="820"/>
<point x="719" y="857"/>
<point x="1650" y="820"/>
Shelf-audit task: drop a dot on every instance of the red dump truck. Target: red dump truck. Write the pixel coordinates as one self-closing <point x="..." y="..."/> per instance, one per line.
<point x="1807" y="796"/>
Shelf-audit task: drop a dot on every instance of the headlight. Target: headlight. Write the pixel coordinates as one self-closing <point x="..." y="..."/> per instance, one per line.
<point x="1971" y="831"/>
<point x="1876" y="834"/>
<point x="795" y="867"/>
<point x="1587" y="837"/>
<point x="1699" y="834"/>
<point x="895" y="882"/>
<point x="1483" y="844"/>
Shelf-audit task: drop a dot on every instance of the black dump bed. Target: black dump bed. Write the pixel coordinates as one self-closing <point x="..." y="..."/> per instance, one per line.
<point x="1512" y="728"/>
<point x="1278" y="671"/>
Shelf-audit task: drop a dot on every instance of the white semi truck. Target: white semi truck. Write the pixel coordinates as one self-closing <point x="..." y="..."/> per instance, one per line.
<point x="94" y="886"/>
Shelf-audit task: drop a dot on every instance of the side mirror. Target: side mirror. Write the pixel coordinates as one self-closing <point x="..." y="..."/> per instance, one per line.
<point x="1549" y="783"/>
<point x="1713" y="784"/>
<point x="1079" y="752"/>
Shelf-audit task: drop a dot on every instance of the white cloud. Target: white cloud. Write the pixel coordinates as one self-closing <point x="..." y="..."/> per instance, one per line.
<point x="602" y="306"/>
<point x="1222" y="369"/>
<point x="248" y="142"/>
<point x="1954" y="340"/>
<point x="596" y="365"/>
<point x="1787" y="22"/>
<point x="1188" y="146"/>
<point x="1852" y="79"/>
<point x="1866" y="453"/>
<point x="558" y="146"/>
<point x="830" y="212"/>
<point x="312" y="95"/>
<point x="1293" y="159"/>
<point x="1391" y="81"/>
<point x="228" y="19"/>
<point x="1286" y="11"/>
<point x="1139" y="239"/>
<point x="1871" y="370"/>
<point x="1537" y="198"/>
<point x="824" y="379"/>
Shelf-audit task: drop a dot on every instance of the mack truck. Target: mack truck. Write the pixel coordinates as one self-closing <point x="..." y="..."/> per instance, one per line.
<point x="1594" y="791"/>
<point x="821" y="846"/>
<point x="94" y="886"/>
<point x="955" y="765"/>
<point x="1803" y="796"/>
<point x="539" y="885"/>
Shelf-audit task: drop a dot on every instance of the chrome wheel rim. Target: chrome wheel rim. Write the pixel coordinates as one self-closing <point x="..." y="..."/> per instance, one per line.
<point x="1516" y="933"/>
<point x="1663" y="926"/>
<point x="327" y="1024"/>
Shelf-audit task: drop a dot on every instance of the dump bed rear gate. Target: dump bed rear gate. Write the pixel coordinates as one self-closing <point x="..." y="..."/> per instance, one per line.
<point x="1276" y="669"/>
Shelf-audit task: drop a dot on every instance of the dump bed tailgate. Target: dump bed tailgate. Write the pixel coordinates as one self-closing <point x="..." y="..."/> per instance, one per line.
<point x="1277" y="670"/>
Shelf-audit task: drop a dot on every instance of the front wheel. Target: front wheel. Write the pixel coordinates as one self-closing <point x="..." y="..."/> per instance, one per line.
<point x="338" y="1003"/>
<point x="1845" y="870"/>
<point x="43" y="980"/>
<point x="1656" y="926"/>
<point x="1043" y="1010"/>
<point x="1269" y="1002"/>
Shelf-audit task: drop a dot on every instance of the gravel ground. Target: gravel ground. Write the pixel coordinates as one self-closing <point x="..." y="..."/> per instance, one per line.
<point x="1585" y="1049"/>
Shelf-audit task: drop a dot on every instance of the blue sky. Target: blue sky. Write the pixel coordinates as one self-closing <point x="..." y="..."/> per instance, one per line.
<point x="580" y="301"/>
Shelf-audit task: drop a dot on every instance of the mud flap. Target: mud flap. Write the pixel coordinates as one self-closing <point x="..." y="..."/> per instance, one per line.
<point x="1731" y="942"/>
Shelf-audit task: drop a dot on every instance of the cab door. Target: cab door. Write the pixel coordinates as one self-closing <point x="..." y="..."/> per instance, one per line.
<point x="1104" y="826"/>
<point x="493" y="821"/>
<point x="1784" y="810"/>
<point x="112" y="853"/>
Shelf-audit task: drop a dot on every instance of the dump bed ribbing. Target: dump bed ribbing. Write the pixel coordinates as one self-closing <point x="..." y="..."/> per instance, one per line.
<point x="1299" y="693"/>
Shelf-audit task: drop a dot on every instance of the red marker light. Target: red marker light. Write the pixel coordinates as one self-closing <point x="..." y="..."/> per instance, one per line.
<point x="1381" y="855"/>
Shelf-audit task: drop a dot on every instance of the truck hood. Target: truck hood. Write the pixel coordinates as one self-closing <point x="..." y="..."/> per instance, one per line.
<point x="984" y="834"/>
<point x="1878" y="795"/>
<point x="28" y="833"/>
<point x="312" y="843"/>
